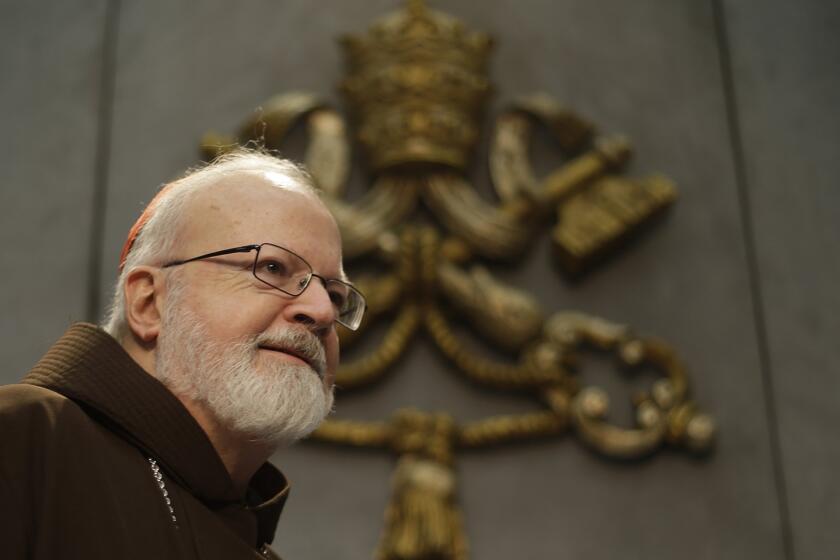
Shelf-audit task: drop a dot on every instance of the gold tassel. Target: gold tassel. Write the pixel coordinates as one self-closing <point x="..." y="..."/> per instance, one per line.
<point x="422" y="521"/>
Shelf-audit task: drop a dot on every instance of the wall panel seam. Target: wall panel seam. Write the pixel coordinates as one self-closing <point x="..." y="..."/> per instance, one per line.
<point x="93" y="307"/>
<point x="758" y="303"/>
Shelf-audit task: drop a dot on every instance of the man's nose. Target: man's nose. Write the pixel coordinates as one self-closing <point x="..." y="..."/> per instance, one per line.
<point x="313" y="307"/>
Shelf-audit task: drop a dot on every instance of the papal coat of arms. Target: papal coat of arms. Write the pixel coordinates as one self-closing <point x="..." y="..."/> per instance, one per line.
<point x="417" y="84"/>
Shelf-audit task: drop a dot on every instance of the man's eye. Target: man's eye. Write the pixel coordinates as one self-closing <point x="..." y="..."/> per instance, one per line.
<point x="274" y="268"/>
<point x="337" y="299"/>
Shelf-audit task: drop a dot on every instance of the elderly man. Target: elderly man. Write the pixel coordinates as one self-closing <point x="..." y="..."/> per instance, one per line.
<point x="149" y="439"/>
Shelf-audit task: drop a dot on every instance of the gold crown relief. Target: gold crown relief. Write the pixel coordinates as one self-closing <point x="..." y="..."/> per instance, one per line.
<point x="417" y="83"/>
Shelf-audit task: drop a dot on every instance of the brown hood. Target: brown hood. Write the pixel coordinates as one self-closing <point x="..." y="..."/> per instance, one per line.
<point x="88" y="366"/>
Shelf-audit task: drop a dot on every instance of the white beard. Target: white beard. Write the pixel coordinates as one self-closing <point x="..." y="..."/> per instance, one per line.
<point x="273" y="403"/>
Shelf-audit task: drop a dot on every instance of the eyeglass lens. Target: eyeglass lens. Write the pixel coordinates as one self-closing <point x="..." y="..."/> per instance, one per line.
<point x="289" y="273"/>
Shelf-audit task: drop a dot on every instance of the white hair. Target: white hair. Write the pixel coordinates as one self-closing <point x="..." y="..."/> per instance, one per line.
<point x="156" y="238"/>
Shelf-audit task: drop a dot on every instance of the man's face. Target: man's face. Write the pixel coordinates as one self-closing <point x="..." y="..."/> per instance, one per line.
<point x="222" y="319"/>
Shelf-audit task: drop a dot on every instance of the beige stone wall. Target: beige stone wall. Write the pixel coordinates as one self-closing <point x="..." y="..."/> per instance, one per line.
<point x="735" y="100"/>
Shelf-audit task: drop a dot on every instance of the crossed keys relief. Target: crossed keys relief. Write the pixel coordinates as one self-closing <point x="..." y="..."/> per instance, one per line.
<point x="416" y="86"/>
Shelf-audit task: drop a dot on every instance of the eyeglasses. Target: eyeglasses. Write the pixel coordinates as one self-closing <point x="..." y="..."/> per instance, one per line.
<point x="290" y="273"/>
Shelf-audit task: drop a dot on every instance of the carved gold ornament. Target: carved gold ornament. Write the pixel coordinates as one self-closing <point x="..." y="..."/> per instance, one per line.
<point x="417" y="85"/>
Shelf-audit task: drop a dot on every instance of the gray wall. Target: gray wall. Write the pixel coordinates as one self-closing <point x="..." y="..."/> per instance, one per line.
<point x="736" y="100"/>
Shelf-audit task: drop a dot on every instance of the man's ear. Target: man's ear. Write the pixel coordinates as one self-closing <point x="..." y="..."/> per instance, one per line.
<point x="143" y="291"/>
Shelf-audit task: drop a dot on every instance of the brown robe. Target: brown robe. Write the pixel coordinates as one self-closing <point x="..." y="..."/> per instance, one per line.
<point x="77" y="439"/>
